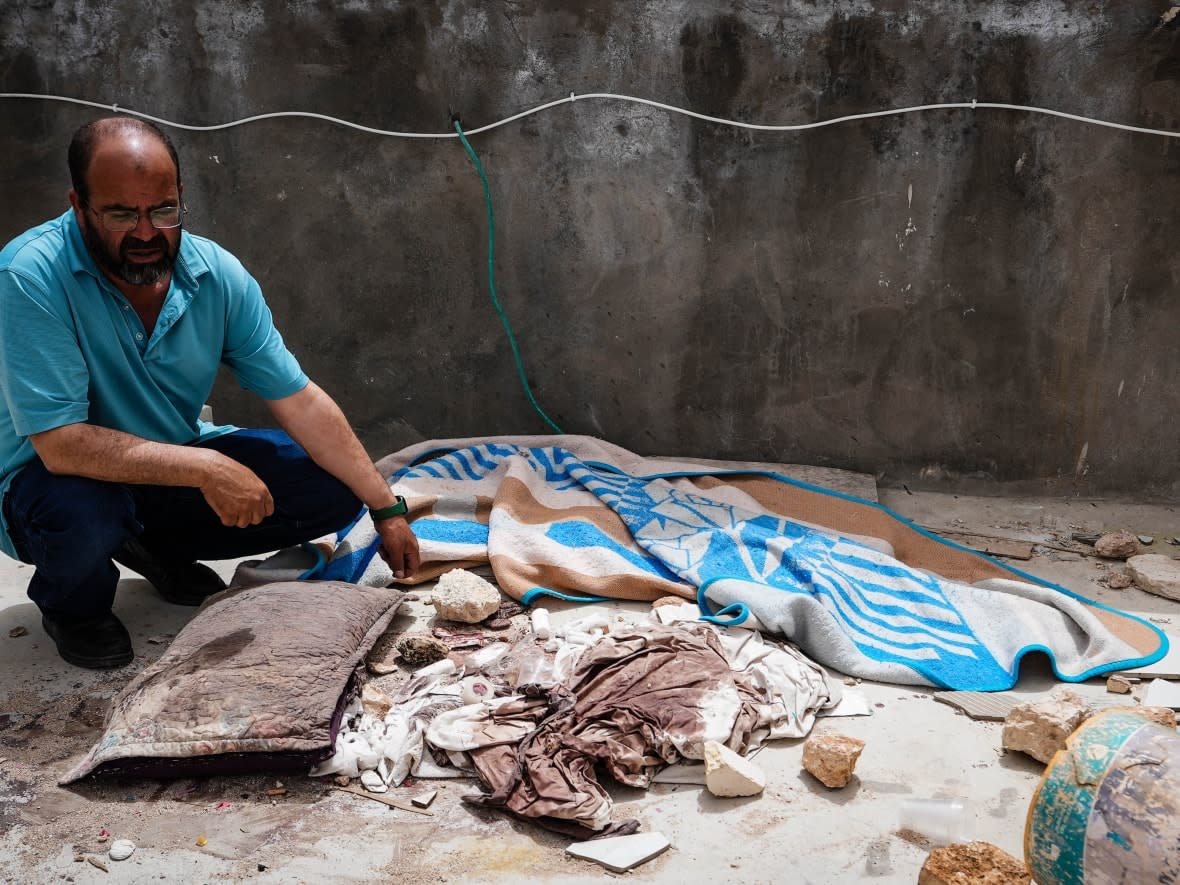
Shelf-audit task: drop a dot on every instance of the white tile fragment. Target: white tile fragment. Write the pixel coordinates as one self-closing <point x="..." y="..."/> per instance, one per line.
<point x="621" y="853"/>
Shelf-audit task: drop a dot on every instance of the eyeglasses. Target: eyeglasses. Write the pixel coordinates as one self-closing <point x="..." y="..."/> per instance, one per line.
<point x="123" y="220"/>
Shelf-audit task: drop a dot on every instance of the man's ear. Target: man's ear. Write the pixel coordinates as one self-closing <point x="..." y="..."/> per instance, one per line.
<point x="76" y="202"/>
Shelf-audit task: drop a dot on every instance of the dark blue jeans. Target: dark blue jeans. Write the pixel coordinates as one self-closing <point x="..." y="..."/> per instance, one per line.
<point x="69" y="526"/>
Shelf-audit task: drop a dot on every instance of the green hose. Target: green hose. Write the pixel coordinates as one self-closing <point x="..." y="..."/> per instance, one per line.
<point x="487" y="193"/>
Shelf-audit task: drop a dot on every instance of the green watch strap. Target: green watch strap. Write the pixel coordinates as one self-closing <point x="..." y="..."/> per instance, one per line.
<point x="397" y="508"/>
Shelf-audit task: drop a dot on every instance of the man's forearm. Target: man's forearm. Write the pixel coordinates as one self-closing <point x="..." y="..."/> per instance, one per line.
<point x="313" y="420"/>
<point x="112" y="455"/>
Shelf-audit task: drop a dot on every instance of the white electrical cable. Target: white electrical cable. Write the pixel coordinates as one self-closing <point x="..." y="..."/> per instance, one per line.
<point x="610" y="96"/>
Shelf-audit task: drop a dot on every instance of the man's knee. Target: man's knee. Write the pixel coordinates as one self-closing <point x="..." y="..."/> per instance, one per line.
<point x="52" y="516"/>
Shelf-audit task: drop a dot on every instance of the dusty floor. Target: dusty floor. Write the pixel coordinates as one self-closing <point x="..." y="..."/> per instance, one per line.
<point x="797" y="831"/>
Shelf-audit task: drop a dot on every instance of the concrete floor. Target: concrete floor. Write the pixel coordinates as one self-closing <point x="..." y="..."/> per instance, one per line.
<point x="797" y="831"/>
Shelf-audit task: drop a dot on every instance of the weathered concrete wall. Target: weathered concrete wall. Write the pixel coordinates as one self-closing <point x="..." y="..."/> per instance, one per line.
<point x="990" y="291"/>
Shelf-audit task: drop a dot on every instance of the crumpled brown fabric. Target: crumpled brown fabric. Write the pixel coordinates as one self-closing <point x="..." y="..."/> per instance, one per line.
<point x="638" y="699"/>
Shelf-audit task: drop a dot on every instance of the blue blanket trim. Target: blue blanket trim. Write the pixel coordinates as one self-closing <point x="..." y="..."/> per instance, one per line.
<point x="531" y="595"/>
<point x="320" y="561"/>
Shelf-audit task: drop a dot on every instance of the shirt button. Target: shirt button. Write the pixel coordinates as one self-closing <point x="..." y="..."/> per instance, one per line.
<point x="126" y="307"/>
<point x="139" y="336"/>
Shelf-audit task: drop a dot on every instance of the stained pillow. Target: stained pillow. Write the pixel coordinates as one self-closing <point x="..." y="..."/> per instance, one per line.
<point x="256" y="681"/>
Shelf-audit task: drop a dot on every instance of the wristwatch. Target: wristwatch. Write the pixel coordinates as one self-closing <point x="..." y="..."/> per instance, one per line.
<point x="397" y="508"/>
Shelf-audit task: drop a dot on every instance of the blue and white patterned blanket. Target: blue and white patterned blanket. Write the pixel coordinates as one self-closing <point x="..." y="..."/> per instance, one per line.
<point x="856" y="587"/>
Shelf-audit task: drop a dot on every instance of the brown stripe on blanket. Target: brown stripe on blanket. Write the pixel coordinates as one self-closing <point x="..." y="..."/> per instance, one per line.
<point x="517" y="500"/>
<point x="516" y="578"/>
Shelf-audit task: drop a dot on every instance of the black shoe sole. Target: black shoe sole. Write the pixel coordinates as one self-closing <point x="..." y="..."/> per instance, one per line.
<point x="111" y="660"/>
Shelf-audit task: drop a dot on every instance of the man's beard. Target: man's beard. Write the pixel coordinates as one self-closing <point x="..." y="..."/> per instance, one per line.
<point x="135" y="274"/>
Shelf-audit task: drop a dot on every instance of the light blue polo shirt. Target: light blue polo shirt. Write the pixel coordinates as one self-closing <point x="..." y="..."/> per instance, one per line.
<point x="72" y="348"/>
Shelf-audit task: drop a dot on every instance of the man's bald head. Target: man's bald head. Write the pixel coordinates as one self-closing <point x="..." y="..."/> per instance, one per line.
<point x="88" y="137"/>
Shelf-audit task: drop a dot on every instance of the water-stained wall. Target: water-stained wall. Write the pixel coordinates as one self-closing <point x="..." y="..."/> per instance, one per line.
<point x="989" y="291"/>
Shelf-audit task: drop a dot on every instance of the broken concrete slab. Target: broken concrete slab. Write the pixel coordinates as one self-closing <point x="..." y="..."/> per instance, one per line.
<point x="1039" y="728"/>
<point x="424" y="800"/>
<point x="831" y="758"/>
<point x="680" y="774"/>
<point x="1156" y="573"/>
<point x="728" y="775"/>
<point x="1162" y="693"/>
<point x="621" y="853"/>
<point x="980" y="705"/>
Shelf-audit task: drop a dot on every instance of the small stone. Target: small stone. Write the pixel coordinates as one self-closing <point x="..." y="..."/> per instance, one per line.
<point x="121" y="849"/>
<point x="418" y="650"/>
<point x="1156" y="574"/>
<point x="465" y="597"/>
<point x="965" y="863"/>
<point x="1119" y="581"/>
<point x="1039" y="728"/>
<point x="621" y="853"/>
<point x="728" y="774"/>
<point x="1146" y="540"/>
<point x="831" y="758"/>
<point x="342" y="780"/>
<point x="498" y="624"/>
<point x="1116" y="545"/>
<point x="18" y="632"/>
<point x="669" y="600"/>
<point x="1118" y="684"/>
<point x="372" y="782"/>
<point x="374" y="701"/>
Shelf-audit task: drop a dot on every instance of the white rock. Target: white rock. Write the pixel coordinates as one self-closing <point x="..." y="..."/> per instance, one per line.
<point x="121" y="849"/>
<point x="1156" y="574"/>
<point x="372" y="782"/>
<point x="728" y="774"/>
<point x="1040" y="728"/>
<point x="465" y="597"/>
<point x="621" y="853"/>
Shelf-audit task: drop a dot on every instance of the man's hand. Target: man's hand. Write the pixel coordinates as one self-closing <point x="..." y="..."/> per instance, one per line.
<point x="236" y="494"/>
<point x="398" y="547"/>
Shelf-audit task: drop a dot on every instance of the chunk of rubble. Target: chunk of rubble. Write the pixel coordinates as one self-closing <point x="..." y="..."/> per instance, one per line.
<point x="1116" y="545"/>
<point x="1039" y="728"/>
<point x="1164" y="716"/>
<point x="465" y="597"/>
<point x="418" y="650"/>
<point x="831" y="758"/>
<point x="669" y="600"/>
<point x="727" y="774"/>
<point x="1156" y="573"/>
<point x="973" y="862"/>
<point x="1119" y="684"/>
<point x="374" y="701"/>
<point x="1119" y="581"/>
<point x="621" y="853"/>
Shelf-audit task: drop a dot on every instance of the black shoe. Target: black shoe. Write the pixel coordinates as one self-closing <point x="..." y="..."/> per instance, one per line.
<point x="183" y="583"/>
<point x="97" y="643"/>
